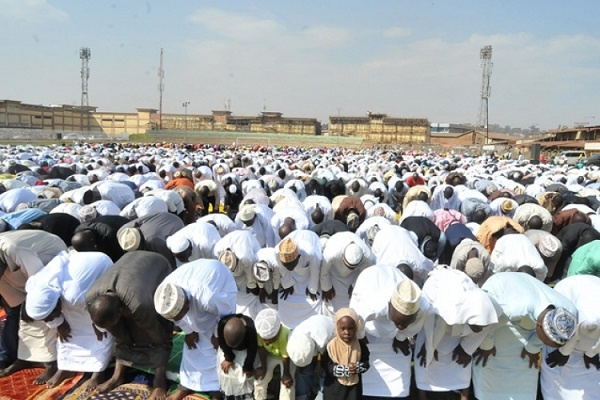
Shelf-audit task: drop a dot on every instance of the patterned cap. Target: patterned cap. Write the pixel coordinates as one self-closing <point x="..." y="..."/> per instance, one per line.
<point x="559" y="325"/>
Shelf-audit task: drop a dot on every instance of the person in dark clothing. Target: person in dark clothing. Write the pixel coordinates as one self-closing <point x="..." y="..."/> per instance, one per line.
<point x="330" y="228"/>
<point x="572" y="237"/>
<point x="150" y="233"/>
<point x="122" y="303"/>
<point x="100" y="234"/>
<point x="62" y="225"/>
<point x="430" y="239"/>
<point x="237" y="332"/>
<point x="455" y="234"/>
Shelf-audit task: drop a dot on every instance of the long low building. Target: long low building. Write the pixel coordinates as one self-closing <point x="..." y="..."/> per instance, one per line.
<point x="67" y="118"/>
<point x="379" y="128"/>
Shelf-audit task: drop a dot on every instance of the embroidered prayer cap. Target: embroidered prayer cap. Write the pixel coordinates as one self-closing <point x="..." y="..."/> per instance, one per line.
<point x="353" y="220"/>
<point x="230" y="260"/>
<point x="169" y="300"/>
<point x="262" y="272"/>
<point x="372" y="232"/>
<point x="267" y="323"/>
<point x="559" y="325"/>
<point x="405" y="298"/>
<point x="288" y="251"/>
<point x="474" y="268"/>
<point x="178" y="244"/>
<point x="129" y="239"/>
<point x="507" y="207"/>
<point x="548" y="246"/>
<point x="353" y="255"/>
<point x="247" y="213"/>
<point x="87" y="213"/>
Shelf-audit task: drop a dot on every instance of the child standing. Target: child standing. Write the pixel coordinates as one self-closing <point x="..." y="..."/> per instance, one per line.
<point x="346" y="359"/>
<point x="272" y="351"/>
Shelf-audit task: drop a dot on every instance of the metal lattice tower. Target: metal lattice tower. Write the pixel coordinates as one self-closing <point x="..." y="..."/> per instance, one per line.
<point x="486" y="72"/>
<point x="85" y="54"/>
<point x="161" y="89"/>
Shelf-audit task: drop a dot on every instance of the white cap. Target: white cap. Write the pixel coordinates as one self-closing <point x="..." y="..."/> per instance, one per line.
<point x="405" y="298"/>
<point x="169" y="300"/>
<point x="353" y="255"/>
<point x="267" y="323"/>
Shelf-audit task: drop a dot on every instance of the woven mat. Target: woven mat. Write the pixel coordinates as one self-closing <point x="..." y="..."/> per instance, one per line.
<point x="19" y="386"/>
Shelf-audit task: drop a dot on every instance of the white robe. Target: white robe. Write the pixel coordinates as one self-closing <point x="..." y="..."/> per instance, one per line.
<point x="574" y="381"/>
<point x="390" y="372"/>
<point x="211" y="292"/>
<point x="298" y="306"/>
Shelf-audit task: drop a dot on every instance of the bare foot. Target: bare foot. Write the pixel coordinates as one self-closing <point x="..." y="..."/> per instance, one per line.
<point x="109" y="385"/>
<point x="158" y="394"/>
<point x="16" y="367"/>
<point x="47" y="374"/>
<point x="58" y="377"/>
<point x="93" y="382"/>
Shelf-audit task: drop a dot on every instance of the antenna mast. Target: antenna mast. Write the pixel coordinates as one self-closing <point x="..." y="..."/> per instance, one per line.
<point x="486" y="72"/>
<point x="161" y="89"/>
<point x="84" y="54"/>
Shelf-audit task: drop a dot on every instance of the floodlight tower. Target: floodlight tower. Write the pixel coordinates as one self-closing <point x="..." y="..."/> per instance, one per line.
<point x="486" y="72"/>
<point x="85" y="54"/>
<point x="161" y="89"/>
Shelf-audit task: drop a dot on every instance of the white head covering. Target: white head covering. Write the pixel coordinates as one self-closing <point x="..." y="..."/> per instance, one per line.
<point x="267" y="323"/>
<point x="301" y="349"/>
<point x="41" y="301"/>
<point x="353" y="255"/>
<point x="178" y="243"/>
<point x="129" y="239"/>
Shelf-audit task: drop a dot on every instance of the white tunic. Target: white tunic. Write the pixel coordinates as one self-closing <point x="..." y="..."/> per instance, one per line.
<point x="390" y="372"/>
<point x="573" y="380"/>
<point x="211" y="292"/>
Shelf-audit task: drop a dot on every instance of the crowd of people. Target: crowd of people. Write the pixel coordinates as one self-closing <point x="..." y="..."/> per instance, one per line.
<point x="351" y="274"/>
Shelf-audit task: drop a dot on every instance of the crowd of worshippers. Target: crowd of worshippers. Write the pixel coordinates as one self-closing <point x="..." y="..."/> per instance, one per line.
<point x="346" y="274"/>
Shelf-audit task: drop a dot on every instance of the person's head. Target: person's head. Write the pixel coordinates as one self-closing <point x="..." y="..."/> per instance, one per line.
<point x="448" y="192"/>
<point x="479" y="216"/>
<point x="171" y="301"/>
<point x="474" y="269"/>
<point x="423" y="196"/>
<point x="404" y="304"/>
<point x="180" y="247"/>
<point x="399" y="186"/>
<point x="346" y="324"/>
<point x="430" y="247"/>
<point x="556" y="326"/>
<point x="355" y="186"/>
<point x="105" y="310"/>
<point x="281" y="173"/>
<point x="406" y="270"/>
<point x="507" y="207"/>
<point x="85" y="241"/>
<point x="43" y="303"/>
<point x="91" y="196"/>
<point x="247" y="215"/>
<point x="285" y="229"/>
<point x="234" y="332"/>
<point x="535" y="222"/>
<point x="558" y="201"/>
<point x="317" y="215"/>
<point x="288" y="254"/>
<point x="268" y="325"/>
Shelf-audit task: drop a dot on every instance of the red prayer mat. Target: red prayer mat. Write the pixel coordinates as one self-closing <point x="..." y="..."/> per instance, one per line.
<point x="19" y="386"/>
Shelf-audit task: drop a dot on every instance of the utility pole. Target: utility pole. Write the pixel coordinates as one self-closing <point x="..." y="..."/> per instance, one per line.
<point x="161" y="89"/>
<point x="486" y="72"/>
<point x="84" y="54"/>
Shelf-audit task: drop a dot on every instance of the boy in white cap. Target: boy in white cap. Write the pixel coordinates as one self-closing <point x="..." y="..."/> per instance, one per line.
<point x="195" y="296"/>
<point x="272" y="351"/>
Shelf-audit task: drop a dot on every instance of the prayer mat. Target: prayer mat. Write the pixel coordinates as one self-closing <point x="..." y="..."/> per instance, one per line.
<point x="128" y="391"/>
<point x="43" y="393"/>
<point x="19" y="386"/>
<point x="174" y="359"/>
